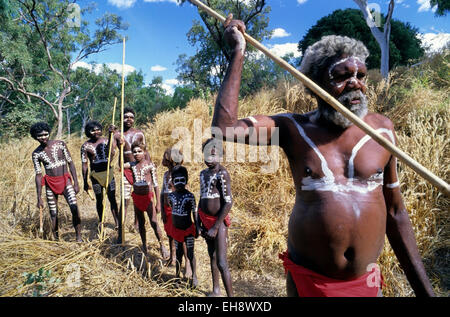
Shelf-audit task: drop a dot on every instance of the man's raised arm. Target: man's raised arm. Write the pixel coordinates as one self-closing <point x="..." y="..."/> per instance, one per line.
<point x="226" y="108"/>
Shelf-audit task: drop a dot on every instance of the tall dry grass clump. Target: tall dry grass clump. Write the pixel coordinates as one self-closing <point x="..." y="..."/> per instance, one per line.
<point x="417" y="100"/>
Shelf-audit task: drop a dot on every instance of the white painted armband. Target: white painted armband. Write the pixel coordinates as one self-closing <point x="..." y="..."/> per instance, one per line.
<point x="393" y="185"/>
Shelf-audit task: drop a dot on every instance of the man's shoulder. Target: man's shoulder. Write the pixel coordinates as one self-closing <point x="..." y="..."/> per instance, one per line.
<point x="377" y="120"/>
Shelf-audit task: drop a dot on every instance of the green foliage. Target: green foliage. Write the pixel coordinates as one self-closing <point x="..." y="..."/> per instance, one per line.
<point x="443" y="6"/>
<point x="41" y="281"/>
<point x="38" y="47"/>
<point x="404" y="47"/>
<point x="206" y="69"/>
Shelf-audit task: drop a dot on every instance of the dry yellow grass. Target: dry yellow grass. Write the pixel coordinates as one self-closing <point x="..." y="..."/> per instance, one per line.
<point x="262" y="205"/>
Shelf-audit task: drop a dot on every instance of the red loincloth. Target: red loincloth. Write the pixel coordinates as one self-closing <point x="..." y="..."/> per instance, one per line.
<point x="128" y="175"/>
<point x="142" y="201"/>
<point x="56" y="183"/>
<point x="179" y="234"/>
<point x="168" y="225"/>
<point x="312" y="284"/>
<point x="209" y="221"/>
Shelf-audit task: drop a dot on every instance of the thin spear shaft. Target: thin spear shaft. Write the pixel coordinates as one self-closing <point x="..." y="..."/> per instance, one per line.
<point x="405" y="158"/>
<point x="122" y="233"/>
<point x="107" y="171"/>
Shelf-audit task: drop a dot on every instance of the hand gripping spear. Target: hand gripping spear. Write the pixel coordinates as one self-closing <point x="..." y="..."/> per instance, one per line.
<point x="421" y="170"/>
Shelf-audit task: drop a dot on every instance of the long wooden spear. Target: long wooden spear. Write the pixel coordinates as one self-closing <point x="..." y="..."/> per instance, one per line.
<point x="421" y="170"/>
<point x="122" y="220"/>
<point x="107" y="170"/>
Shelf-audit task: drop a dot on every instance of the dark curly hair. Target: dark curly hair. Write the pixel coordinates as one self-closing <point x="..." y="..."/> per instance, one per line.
<point x="180" y="170"/>
<point x="90" y="125"/>
<point x="39" y="127"/>
<point x="128" y="109"/>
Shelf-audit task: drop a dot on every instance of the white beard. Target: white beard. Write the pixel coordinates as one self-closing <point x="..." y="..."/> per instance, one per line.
<point x="330" y="114"/>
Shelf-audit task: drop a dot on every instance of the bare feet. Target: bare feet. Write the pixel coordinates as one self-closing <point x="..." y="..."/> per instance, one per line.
<point x="164" y="252"/>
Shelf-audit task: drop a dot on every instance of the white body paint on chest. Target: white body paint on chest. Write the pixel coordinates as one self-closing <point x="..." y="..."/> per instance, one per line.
<point x="49" y="163"/>
<point x="328" y="183"/>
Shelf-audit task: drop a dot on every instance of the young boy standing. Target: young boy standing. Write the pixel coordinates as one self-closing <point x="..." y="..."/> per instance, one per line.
<point x="57" y="161"/>
<point x="184" y="219"/>
<point x="145" y="193"/>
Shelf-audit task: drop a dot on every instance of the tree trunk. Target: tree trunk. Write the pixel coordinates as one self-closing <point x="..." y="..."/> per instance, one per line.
<point x="382" y="38"/>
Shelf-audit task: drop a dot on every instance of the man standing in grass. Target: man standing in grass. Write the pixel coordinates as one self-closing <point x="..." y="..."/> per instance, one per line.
<point x="57" y="161"/>
<point x="95" y="151"/>
<point x="347" y="188"/>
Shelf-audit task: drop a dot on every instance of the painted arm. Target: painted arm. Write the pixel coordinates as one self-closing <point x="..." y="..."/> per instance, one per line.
<point x="84" y="168"/>
<point x="254" y="129"/>
<point x="195" y="215"/>
<point x="155" y="187"/>
<point x="72" y="168"/>
<point x="38" y="180"/>
<point x="400" y="233"/>
<point x="224" y="187"/>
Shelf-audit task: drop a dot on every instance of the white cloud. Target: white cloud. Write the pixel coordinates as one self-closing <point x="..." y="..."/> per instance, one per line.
<point x="122" y="3"/>
<point x="301" y="1"/>
<point x="97" y="68"/>
<point x="82" y="65"/>
<point x="172" y="81"/>
<point x="279" y="32"/>
<point x="424" y="5"/>
<point x="158" y="68"/>
<point x="169" y="85"/>
<point x="118" y="68"/>
<point x="173" y="1"/>
<point x="283" y="49"/>
<point x="434" y="42"/>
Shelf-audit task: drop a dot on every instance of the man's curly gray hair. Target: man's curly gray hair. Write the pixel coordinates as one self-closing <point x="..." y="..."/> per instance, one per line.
<point x="318" y="55"/>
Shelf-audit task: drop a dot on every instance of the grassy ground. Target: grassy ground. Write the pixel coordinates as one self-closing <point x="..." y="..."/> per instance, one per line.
<point x="416" y="99"/>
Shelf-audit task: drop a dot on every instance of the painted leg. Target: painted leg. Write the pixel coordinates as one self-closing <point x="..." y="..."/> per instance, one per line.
<point x="52" y="201"/>
<point x="190" y="242"/>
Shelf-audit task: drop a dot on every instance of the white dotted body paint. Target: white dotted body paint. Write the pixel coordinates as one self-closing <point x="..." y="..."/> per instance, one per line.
<point x="179" y="204"/>
<point x="98" y="151"/>
<point x="49" y="163"/>
<point x="206" y="187"/>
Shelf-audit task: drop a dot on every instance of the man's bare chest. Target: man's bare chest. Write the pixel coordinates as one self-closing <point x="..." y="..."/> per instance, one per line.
<point x="352" y="161"/>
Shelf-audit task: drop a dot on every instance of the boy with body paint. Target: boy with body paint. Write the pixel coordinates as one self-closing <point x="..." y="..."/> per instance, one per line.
<point x="171" y="158"/>
<point x="95" y="151"/>
<point x="184" y="219"/>
<point x="57" y="161"/>
<point x="145" y="193"/>
<point x="213" y="211"/>
<point x="348" y="195"/>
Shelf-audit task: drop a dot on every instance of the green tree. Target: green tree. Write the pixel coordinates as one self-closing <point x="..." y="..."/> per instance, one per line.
<point x="404" y="46"/>
<point x="206" y="69"/>
<point x="443" y="6"/>
<point x="40" y="41"/>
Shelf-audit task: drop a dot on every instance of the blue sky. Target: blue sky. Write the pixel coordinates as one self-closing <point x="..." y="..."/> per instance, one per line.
<point x="157" y="29"/>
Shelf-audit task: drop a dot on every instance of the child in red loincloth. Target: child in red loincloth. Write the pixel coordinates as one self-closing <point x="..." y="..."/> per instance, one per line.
<point x="171" y="158"/>
<point x="145" y="189"/>
<point x="184" y="219"/>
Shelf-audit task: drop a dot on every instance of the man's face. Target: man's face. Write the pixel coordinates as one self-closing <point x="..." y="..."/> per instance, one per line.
<point x="96" y="132"/>
<point x="42" y="137"/>
<point x="128" y="119"/>
<point x="344" y="79"/>
<point x="138" y="153"/>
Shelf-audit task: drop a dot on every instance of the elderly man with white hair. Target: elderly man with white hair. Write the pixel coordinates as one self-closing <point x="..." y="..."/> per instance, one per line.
<point x="347" y="188"/>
